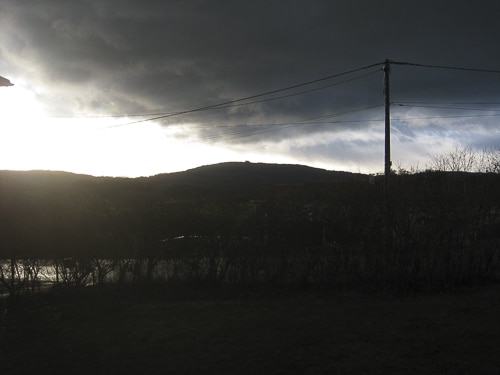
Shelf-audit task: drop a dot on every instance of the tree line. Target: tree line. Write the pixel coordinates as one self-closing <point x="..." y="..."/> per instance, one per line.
<point x="443" y="232"/>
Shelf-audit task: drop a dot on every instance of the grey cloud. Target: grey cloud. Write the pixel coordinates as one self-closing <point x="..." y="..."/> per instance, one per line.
<point x="162" y="56"/>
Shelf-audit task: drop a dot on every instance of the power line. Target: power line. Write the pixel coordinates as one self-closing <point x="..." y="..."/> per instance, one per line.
<point x="216" y="106"/>
<point x="307" y="121"/>
<point x="235" y="131"/>
<point x="447" y="103"/>
<point x="299" y="92"/>
<point x="245" y="130"/>
<point x="443" y="107"/>
<point x="273" y="127"/>
<point x="442" y="117"/>
<point x="226" y="106"/>
<point x="238" y="102"/>
<point x="445" y="67"/>
<point x="345" y="112"/>
<point x="159" y="115"/>
<point x="492" y="112"/>
<point x="111" y="116"/>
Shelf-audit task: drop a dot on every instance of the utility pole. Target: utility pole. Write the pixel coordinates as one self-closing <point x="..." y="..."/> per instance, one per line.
<point x="387" y="93"/>
<point x="388" y="163"/>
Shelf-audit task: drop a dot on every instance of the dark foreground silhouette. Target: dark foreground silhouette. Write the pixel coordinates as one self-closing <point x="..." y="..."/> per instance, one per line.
<point x="194" y="331"/>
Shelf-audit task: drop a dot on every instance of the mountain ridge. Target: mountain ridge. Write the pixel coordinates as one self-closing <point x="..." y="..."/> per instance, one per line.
<point x="246" y="174"/>
<point x="230" y="175"/>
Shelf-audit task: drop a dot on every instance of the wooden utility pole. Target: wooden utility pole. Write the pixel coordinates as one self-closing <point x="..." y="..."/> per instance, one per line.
<point x="387" y="93"/>
<point x="388" y="163"/>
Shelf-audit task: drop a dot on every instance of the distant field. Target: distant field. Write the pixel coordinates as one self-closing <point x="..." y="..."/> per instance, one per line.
<point x="195" y="332"/>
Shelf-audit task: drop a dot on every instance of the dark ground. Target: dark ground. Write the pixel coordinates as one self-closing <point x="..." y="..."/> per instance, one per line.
<point x="206" y="332"/>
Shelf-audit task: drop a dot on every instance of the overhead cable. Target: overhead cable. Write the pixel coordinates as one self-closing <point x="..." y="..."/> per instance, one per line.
<point x="445" y="67"/>
<point x="226" y="106"/>
<point x="443" y="107"/>
<point x="215" y="106"/>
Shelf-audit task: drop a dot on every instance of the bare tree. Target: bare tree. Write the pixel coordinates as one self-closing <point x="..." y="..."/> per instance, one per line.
<point x="491" y="158"/>
<point x="467" y="159"/>
<point x="461" y="159"/>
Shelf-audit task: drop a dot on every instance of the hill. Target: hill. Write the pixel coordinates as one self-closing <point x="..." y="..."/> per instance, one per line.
<point x="246" y="175"/>
<point x="227" y="176"/>
<point x="44" y="212"/>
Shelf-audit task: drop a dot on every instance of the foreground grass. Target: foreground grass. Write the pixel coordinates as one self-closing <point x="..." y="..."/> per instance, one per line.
<point x="131" y="332"/>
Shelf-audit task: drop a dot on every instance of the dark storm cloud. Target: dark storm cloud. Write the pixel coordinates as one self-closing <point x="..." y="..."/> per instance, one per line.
<point x="165" y="56"/>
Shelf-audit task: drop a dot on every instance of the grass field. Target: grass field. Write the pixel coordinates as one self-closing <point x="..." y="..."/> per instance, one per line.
<point x="206" y="332"/>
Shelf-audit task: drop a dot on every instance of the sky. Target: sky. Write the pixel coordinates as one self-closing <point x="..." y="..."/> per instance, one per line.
<point x="137" y="88"/>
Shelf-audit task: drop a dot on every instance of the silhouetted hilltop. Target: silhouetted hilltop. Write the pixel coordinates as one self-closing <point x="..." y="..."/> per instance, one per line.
<point x="245" y="175"/>
<point x="231" y="175"/>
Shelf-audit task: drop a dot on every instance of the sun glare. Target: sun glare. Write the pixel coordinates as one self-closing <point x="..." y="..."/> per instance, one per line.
<point x="30" y="140"/>
<point x="20" y="128"/>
